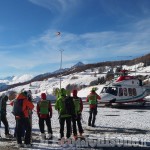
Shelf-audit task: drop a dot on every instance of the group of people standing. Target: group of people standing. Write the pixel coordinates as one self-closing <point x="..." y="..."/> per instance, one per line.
<point x="72" y="113"/>
<point x="69" y="110"/>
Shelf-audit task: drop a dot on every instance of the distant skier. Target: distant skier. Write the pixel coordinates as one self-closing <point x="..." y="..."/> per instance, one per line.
<point x="3" y="113"/>
<point x="77" y="117"/>
<point x="92" y="99"/>
<point x="21" y="105"/>
<point x="64" y="105"/>
<point x="44" y="111"/>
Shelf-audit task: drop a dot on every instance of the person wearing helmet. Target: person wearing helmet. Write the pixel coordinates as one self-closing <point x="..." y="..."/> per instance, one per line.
<point x="44" y="111"/>
<point x="21" y="105"/>
<point x="92" y="99"/>
<point x="64" y="106"/>
<point x="78" y="112"/>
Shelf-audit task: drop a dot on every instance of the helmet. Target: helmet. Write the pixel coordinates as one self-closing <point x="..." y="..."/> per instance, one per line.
<point x="74" y="92"/>
<point x="43" y="96"/>
<point x="63" y="92"/>
<point x="94" y="89"/>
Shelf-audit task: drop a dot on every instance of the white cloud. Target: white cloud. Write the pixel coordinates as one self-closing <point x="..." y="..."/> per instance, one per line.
<point x="94" y="45"/>
<point x="143" y="25"/>
<point x="56" y="5"/>
<point x="44" y="49"/>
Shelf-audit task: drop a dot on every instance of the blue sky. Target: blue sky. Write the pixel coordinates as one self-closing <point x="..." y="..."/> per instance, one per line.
<point x="91" y="31"/>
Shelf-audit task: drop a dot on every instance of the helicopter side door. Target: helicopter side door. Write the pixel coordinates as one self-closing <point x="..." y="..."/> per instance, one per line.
<point x="125" y="94"/>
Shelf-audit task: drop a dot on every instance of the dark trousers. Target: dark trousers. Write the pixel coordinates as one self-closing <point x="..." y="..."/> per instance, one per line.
<point x="62" y="124"/>
<point x="5" y="122"/>
<point x="20" y="124"/>
<point x="77" y="119"/>
<point x="22" y="133"/>
<point x="92" y="116"/>
<point x="48" y="123"/>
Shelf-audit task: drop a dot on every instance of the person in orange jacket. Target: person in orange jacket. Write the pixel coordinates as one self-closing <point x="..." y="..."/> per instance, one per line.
<point x="44" y="111"/>
<point x="21" y="106"/>
<point x="92" y="100"/>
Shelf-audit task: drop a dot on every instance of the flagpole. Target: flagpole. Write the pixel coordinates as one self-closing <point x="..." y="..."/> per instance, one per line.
<point x="60" y="64"/>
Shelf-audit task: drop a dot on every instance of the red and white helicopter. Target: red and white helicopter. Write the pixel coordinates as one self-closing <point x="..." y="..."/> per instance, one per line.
<point x="125" y="89"/>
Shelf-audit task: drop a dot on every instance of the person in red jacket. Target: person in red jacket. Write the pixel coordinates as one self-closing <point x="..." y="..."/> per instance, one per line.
<point x="78" y="112"/>
<point x="21" y="106"/>
<point x="44" y="111"/>
<point x="92" y="100"/>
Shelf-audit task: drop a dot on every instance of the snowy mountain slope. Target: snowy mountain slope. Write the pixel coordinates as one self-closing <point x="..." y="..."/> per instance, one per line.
<point x="23" y="78"/>
<point x="47" y="86"/>
<point x="9" y="78"/>
<point x="81" y="79"/>
<point x="16" y="79"/>
<point x="78" y="65"/>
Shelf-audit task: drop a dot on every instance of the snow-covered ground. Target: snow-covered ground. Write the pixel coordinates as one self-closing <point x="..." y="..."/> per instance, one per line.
<point x="128" y="123"/>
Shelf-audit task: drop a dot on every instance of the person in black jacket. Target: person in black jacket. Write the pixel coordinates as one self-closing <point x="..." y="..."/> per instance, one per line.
<point x="4" y="99"/>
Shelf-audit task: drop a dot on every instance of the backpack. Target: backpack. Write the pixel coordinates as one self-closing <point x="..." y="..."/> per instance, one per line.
<point x="69" y="105"/>
<point x="17" y="108"/>
<point x="77" y="105"/>
<point x="92" y="99"/>
<point x="44" y="107"/>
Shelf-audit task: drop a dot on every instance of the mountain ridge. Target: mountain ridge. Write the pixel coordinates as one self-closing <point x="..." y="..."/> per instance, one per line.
<point x="79" y="68"/>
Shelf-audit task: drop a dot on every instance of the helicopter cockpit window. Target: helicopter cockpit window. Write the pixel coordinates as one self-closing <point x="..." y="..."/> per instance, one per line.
<point x="114" y="91"/>
<point x="104" y="90"/>
<point x="110" y="90"/>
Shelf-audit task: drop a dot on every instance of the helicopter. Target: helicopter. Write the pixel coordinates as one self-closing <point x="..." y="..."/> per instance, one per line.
<point x="124" y="89"/>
